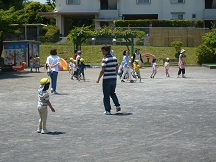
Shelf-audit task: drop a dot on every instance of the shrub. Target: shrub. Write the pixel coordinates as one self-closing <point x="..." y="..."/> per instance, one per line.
<point x="210" y="38"/>
<point x="159" y="23"/>
<point x="177" y="45"/>
<point x="50" y="33"/>
<point x="139" y="42"/>
<point x="205" y="54"/>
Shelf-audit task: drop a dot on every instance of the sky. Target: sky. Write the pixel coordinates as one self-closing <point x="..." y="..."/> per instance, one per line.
<point x="41" y="1"/>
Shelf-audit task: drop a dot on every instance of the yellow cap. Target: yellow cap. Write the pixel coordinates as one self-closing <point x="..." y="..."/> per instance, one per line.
<point x="44" y="81"/>
<point x="71" y="59"/>
<point x="137" y="61"/>
<point x="82" y="60"/>
<point x="167" y="59"/>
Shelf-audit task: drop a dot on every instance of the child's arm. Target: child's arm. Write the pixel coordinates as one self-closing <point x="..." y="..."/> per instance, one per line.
<point x="49" y="104"/>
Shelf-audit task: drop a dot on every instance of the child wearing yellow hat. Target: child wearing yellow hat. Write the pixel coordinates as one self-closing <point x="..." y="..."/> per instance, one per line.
<point x="137" y="69"/>
<point x="43" y="101"/>
<point x="166" y="66"/>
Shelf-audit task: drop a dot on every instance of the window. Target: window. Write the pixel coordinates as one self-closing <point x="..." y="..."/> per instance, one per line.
<point x="177" y="15"/>
<point x="73" y="2"/>
<point x="177" y="1"/>
<point x="143" y="1"/>
<point x="193" y="16"/>
<point x="108" y="4"/>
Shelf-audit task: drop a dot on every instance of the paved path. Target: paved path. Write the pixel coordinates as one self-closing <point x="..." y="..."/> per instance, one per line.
<point x="162" y="119"/>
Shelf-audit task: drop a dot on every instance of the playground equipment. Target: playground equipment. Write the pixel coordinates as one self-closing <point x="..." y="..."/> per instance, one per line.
<point x="63" y="65"/>
<point x="147" y="57"/>
<point x="19" y="68"/>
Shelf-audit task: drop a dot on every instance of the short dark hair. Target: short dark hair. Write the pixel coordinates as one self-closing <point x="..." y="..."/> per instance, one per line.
<point x="53" y="52"/>
<point x="106" y="48"/>
<point x="124" y="52"/>
<point x="75" y="51"/>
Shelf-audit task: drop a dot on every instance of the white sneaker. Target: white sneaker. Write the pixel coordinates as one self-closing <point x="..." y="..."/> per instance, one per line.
<point x="118" y="108"/>
<point x="38" y="130"/>
<point x="52" y="90"/>
<point x="178" y="76"/>
<point x="183" y="76"/>
<point x="107" y="113"/>
<point x="44" y="131"/>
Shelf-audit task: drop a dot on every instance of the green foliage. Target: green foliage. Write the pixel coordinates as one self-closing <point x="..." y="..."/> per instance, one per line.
<point x="210" y="38"/>
<point x="50" y="33"/>
<point x="159" y="23"/>
<point x="79" y="34"/>
<point x="118" y="32"/>
<point x="33" y="8"/>
<point x="7" y="4"/>
<point x="51" y="3"/>
<point x="206" y="54"/>
<point x="177" y="45"/>
<point x="8" y="17"/>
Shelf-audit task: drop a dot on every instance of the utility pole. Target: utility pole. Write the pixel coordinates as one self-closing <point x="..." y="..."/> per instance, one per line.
<point x="25" y="21"/>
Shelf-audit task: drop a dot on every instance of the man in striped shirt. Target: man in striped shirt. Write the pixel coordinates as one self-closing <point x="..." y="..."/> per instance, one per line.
<point x="109" y="72"/>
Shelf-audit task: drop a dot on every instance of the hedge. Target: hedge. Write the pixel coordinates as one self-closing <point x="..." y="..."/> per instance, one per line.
<point x="159" y="23"/>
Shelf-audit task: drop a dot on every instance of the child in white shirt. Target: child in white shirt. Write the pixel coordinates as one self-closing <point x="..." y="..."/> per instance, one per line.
<point x="166" y="66"/>
<point x="154" y="66"/>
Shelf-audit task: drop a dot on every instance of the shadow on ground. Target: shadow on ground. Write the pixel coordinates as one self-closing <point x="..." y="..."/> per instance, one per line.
<point x="55" y="133"/>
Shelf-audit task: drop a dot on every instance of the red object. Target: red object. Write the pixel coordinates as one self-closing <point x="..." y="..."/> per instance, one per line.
<point x="75" y="56"/>
<point x="19" y="68"/>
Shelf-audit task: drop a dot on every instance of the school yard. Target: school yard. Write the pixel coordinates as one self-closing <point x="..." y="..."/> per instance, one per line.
<point x="162" y="119"/>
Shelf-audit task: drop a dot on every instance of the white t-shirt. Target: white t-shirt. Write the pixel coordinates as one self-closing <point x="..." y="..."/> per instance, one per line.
<point x="52" y="60"/>
<point x="42" y="100"/>
<point x="154" y="65"/>
<point x="166" y="65"/>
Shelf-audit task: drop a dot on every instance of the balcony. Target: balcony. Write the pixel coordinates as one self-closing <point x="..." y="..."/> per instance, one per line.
<point x="209" y="14"/>
<point x="108" y="14"/>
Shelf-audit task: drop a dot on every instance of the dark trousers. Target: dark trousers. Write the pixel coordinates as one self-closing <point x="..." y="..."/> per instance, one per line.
<point x="181" y="71"/>
<point x="53" y="76"/>
<point x="109" y="86"/>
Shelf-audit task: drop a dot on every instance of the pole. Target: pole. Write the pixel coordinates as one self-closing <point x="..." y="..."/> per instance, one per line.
<point x="25" y="22"/>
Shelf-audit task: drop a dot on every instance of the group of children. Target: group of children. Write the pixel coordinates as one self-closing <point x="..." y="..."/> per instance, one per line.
<point x="35" y="63"/>
<point x="77" y="67"/>
<point x="135" y="69"/>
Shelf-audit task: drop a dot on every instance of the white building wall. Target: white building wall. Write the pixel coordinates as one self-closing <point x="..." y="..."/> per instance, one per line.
<point x="189" y="7"/>
<point x="84" y="6"/>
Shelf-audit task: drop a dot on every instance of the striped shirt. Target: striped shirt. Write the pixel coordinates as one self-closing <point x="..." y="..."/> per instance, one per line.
<point x="109" y="62"/>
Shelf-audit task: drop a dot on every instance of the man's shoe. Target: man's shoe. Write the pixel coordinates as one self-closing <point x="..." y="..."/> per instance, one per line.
<point x="118" y="108"/>
<point x="107" y="113"/>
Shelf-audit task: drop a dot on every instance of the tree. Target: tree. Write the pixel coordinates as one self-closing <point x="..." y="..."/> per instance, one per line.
<point x="206" y="52"/>
<point x="33" y="8"/>
<point x="210" y="38"/>
<point x="8" y="17"/>
<point x="51" y="3"/>
<point x="79" y="34"/>
<point x="6" y="4"/>
<point x="177" y="45"/>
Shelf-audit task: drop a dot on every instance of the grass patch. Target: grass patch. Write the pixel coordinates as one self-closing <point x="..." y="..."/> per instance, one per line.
<point x="93" y="55"/>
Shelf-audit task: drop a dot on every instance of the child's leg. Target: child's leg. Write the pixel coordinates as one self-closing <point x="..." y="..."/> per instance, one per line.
<point x="40" y="120"/>
<point x="44" y="117"/>
<point x="167" y="72"/>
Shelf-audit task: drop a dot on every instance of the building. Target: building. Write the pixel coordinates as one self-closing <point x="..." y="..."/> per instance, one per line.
<point x="104" y="12"/>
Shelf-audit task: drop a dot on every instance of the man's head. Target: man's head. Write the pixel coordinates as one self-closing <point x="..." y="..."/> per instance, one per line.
<point x="105" y="49"/>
